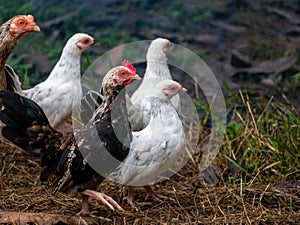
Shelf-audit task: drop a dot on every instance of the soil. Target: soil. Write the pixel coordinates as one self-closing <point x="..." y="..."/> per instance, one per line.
<point x="247" y="45"/>
<point x="190" y="202"/>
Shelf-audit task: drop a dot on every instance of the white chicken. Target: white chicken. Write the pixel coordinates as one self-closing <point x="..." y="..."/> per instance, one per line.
<point x="156" y="71"/>
<point x="61" y="92"/>
<point x="156" y="148"/>
<point x="138" y="106"/>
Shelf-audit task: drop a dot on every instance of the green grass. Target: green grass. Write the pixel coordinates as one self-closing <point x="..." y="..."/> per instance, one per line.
<point x="264" y="142"/>
<point x="44" y="11"/>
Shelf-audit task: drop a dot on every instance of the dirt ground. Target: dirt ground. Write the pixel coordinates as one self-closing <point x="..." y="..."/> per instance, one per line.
<point x="191" y="203"/>
<point x="247" y="45"/>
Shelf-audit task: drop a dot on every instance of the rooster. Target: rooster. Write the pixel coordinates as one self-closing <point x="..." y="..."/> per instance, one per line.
<point x="10" y="33"/>
<point x="65" y="156"/>
<point x="156" y="148"/>
<point x="61" y="92"/>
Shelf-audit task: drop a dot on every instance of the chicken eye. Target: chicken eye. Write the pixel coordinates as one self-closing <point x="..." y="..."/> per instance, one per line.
<point x="122" y="74"/>
<point x="21" y="22"/>
<point x="86" y="41"/>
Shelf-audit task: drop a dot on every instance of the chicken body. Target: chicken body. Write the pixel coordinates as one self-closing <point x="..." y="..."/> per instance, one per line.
<point x="68" y="159"/>
<point x="157" y="147"/>
<point x="156" y="71"/>
<point x="61" y="92"/>
<point x="138" y="105"/>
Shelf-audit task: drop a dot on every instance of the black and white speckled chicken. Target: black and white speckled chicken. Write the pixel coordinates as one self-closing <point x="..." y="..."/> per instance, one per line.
<point x="68" y="159"/>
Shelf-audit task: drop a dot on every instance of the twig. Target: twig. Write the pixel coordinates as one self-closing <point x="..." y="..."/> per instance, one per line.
<point x="45" y="218"/>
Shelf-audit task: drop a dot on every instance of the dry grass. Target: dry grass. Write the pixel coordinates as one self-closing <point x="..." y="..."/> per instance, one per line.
<point x="227" y="203"/>
<point x="251" y="189"/>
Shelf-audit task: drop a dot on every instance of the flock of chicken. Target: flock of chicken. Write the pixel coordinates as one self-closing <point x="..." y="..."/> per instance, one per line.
<point x="132" y="140"/>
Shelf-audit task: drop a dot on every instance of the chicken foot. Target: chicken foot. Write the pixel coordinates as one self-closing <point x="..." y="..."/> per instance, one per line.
<point x="100" y="197"/>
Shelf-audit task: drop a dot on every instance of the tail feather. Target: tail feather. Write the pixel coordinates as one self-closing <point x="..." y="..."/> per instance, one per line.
<point x="89" y="103"/>
<point x="12" y="80"/>
<point x="26" y="124"/>
<point x="22" y="110"/>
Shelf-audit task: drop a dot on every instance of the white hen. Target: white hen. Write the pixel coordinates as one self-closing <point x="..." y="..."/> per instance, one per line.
<point x="156" y="71"/>
<point x="137" y="106"/>
<point x="61" y="91"/>
<point x="156" y="148"/>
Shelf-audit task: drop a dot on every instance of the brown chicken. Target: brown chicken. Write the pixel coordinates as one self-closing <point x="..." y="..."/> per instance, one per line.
<point x="10" y="33"/>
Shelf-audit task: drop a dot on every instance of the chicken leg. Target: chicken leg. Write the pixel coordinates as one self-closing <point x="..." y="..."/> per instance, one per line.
<point x="154" y="196"/>
<point x="150" y="194"/>
<point x="130" y="199"/>
<point x="100" y="197"/>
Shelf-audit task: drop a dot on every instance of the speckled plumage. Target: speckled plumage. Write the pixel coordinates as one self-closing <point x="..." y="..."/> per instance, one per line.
<point x="65" y="156"/>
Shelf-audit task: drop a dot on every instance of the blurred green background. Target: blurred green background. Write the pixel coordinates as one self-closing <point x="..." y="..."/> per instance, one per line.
<point x="234" y="37"/>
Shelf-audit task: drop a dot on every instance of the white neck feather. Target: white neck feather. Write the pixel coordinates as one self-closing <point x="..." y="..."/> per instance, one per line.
<point x="157" y="69"/>
<point x="68" y="66"/>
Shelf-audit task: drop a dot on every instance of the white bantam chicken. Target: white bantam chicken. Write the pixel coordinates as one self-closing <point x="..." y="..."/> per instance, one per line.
<point x="11" y="32"/>
<point x="61" y="92"/>
<point x="138" y="107"/>
<point x="156" y="148"/>
<point x="67" y="159"/>
<point x="156" y="71"/>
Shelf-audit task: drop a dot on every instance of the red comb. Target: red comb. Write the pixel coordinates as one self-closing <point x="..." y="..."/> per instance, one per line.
<point x="129" y="66"/>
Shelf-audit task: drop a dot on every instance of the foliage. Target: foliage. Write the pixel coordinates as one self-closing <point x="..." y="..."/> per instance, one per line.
<point x="52" y="38"/>
<point x="263" y="141"/>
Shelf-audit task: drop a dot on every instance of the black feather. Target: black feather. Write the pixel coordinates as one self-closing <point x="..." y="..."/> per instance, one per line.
<point x="12" y="80"/>
<point x="18" y="114"/>
<point x="63" y="160"/>
<point x="22" y="110"/>
<point x="89" y="103"/>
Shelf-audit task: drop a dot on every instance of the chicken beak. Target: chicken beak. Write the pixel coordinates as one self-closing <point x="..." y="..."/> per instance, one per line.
<point x="135" y="77"/>
<point x="183" y="89"/>
<point x="35" y="28"/>
<point x="96" y="43"/>
<point x="31" y="26"/>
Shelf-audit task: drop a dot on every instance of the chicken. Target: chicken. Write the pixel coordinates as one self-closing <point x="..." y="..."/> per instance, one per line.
<point x="156" y="71"/>
<point x="10" y="33"/>
<point x="72" y="161"/>
<point x="61" y="92"/>
<point x="137" y="106"/>
<point x="157" y="147"/>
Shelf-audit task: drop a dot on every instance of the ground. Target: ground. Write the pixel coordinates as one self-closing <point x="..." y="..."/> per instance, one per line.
<point x="252" y="46"/>
<point x="192" y="202"/>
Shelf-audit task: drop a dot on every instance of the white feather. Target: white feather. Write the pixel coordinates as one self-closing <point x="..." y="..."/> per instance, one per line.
<point x="156" y="71"/>
<point x="61" y="92"/>
<point x="157" y="147"/>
